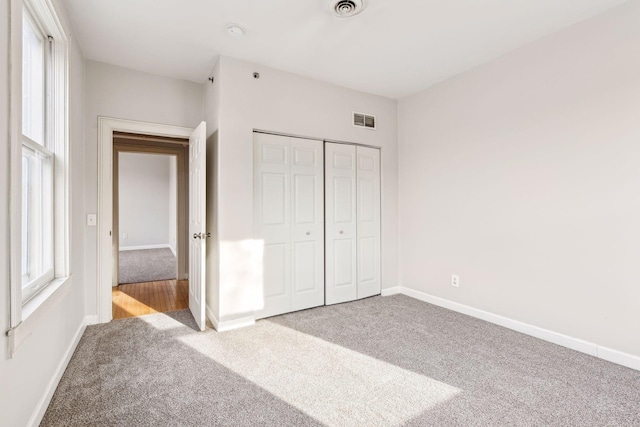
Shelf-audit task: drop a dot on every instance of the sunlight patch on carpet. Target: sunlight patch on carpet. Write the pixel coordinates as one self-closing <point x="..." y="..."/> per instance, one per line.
<point x="334" y="385"/>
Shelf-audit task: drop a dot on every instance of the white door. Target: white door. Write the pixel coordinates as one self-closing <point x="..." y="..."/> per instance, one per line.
<point x="368" y="207"/>
<point x="341" y="224"/>
<point x="289" y="219"/>
<point x="272" y="204"/>
<point x="307" y="224"/>
<point x="197" y="222"/>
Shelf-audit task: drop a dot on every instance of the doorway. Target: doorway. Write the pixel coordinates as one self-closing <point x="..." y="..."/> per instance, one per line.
<point x="150" y="257"/>
<point x="195" y="159"/>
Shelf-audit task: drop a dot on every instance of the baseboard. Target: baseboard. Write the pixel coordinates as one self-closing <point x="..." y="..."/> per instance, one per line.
<point x="173" y="250"/>
<point x="619" y="357"/>
<point x="593" y="349"/>
<point x="228" y="325"/>
<point x="391" y="291"/>
<point x="43" y="404"/>
<point x="212" y="317"/>
<point x="137" y="248"/>
<point x="91" y="320"/>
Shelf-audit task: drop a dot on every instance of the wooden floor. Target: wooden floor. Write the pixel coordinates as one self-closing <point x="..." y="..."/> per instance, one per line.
<point x="137" y="299"/>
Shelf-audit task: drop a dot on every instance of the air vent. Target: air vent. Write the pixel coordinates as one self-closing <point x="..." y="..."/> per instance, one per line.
<point x="346" y="8"/>
<point x="364" y="120"/>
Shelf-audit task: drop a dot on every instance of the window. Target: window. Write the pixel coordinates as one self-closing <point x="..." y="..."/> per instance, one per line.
<point x="39" y="154"/>
<point x="37" y="161"/>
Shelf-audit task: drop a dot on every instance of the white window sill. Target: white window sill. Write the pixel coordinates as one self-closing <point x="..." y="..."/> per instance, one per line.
<point x="35" y="310"/>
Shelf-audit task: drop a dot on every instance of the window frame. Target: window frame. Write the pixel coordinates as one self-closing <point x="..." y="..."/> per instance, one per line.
<point x="24" y="314"/>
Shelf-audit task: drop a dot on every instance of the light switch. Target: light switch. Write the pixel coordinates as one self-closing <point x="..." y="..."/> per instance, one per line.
<point x="92" y="219"/>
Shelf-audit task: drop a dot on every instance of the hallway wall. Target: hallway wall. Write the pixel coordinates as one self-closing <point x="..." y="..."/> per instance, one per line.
<point x="122" y="93"/>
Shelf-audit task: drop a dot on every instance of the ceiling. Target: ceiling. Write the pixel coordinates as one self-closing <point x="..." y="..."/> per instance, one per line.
<point x="393" y="48"/>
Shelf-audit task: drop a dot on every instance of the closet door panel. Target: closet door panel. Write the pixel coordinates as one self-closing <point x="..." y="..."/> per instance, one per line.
<point x="307" y="228"/>
<point x="368" y="228"/>
<point x="341" y="243"/>
<point x="272" y="216"/>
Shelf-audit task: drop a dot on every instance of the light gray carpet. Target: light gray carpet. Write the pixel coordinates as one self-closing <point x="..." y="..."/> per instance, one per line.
<point x="375" y="362"/>
<point x="147" y="265"/>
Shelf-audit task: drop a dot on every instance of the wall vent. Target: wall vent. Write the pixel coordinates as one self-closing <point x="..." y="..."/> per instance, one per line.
<point x="364" y="120"/>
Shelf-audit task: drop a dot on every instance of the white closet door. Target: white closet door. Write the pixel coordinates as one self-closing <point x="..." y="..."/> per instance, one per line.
<point x="307" y="224"/>
<point x="272" y="204"/>
<point x="289" y="218"/>
<point x="340" y="232"/>
<point x="368" y="207"/>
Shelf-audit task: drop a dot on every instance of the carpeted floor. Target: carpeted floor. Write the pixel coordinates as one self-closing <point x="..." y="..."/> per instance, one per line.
<point x="376" y="362"/>
<point x="146" y="265"/>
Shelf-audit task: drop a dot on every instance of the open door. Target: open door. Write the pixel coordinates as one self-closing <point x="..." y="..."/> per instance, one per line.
<point x="197" y="222"/>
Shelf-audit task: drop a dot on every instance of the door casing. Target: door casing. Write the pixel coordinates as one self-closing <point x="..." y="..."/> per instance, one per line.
<point x="104" y="264"/>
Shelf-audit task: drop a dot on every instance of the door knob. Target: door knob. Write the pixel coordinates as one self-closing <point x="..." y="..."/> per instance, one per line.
<point x="208" y="235"/>
<point x="341" y="232"/>
<point x="308" y="233"/>
<point x="197" y="235"/>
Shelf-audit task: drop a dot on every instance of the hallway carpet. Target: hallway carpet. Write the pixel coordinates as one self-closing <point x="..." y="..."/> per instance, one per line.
<point x="146" y="265"/>
<point x="382" y="361"/>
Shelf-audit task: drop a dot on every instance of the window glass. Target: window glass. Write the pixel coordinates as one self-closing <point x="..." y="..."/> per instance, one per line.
<point x="33" y="80"/>
<point x="37" y="220"/>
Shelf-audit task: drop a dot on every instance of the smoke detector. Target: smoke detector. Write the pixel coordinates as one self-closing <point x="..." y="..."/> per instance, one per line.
<point x="346" y="8"/>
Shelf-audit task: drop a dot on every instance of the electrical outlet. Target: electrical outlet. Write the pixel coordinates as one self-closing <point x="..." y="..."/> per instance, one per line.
<point x="125" y="236"/>
<point x="455" y="280"/>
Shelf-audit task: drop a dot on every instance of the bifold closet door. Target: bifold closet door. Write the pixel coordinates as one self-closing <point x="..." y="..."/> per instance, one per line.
<point x="289" y="218"/>
<point x="352" y="194"/>
<point x="341" y="224"/>
<point x="368" y="208"/>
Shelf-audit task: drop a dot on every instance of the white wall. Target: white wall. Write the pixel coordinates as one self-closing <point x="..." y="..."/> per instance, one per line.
<point x="212" y="117"/>
<point x="289" y="103"/>
<point x="173" y="203"/>
<point x="145" y="199"/>
<point x="127" y="94"/>
<point x="522" y="177"/>
<point x="26" y="379"/>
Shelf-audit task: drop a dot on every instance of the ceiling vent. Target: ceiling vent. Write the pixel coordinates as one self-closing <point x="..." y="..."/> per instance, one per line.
<point x="346" y="8"/>
<point x="364" y="120"/>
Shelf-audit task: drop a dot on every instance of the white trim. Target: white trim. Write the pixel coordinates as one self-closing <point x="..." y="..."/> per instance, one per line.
<point x="212" y="317"/>
<point x="91" y="320"/>
<point x="618" y="357"/>
<point x="141" y="247"/>
<point x="592" y="349"/>
<point x="15" y="161"/>
<point x="391" y="291"/>
<point x="43" y="403"/>
<point x="229" y="325"/>
<point x="106" y="127"/>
